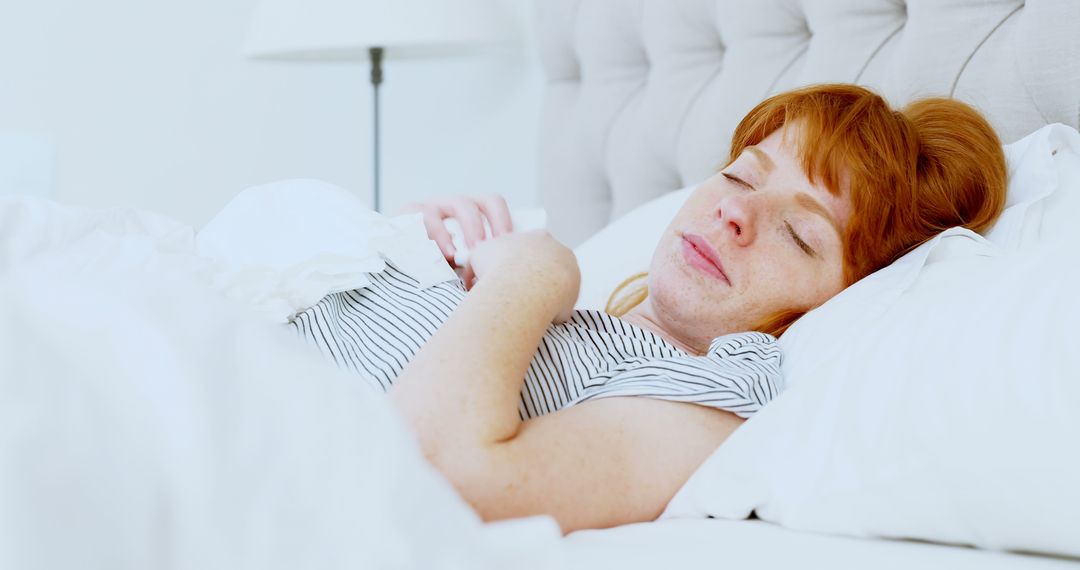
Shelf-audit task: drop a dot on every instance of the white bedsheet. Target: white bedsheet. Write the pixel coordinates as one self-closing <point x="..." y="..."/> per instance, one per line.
<point x="684" y="544"/>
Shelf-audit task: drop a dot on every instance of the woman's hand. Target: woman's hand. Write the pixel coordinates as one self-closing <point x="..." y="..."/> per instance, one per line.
<point x="470" y="213"/>
<point x="530" y="260"/>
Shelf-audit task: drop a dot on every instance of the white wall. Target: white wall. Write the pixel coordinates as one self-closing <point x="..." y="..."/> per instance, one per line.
<point x="152" y="105"/>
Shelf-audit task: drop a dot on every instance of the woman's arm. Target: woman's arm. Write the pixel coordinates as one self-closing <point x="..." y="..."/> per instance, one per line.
<point x="597" y="464"/>
<point x="460" y="391"/>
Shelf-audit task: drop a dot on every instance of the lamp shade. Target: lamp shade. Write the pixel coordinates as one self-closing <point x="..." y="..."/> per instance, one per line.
<point x="347" y="29"/>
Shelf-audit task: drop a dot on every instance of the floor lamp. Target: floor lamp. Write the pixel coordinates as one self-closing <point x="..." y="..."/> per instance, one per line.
<point x="374" y="31"/>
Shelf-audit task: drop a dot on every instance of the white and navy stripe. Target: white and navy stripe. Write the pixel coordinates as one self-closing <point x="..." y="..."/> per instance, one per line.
<point x="376" y="330"/>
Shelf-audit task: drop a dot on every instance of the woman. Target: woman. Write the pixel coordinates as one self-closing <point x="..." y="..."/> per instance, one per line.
<point x="824" y="185"/>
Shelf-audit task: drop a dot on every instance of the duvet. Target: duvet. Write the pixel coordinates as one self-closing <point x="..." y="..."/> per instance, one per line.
<point x="149" y="421"/>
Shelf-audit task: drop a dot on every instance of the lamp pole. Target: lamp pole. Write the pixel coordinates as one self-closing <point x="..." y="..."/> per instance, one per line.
<point x="376" y="54"/>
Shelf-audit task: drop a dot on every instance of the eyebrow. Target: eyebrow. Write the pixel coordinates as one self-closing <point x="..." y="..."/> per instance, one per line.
<point x="808" y="202"/>
<point x="765" y="160"/>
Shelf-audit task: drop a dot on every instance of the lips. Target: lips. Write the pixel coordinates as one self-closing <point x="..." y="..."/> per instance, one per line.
<point x="702" y="256"/>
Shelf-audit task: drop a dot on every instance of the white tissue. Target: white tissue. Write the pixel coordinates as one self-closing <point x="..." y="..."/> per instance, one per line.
<point x="403" y="241"/>
<point x="282" y="247"/>
<point x="523" y="220"/>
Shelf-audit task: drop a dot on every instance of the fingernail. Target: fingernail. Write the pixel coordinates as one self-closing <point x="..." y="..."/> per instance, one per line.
<point x="461" y="258"/>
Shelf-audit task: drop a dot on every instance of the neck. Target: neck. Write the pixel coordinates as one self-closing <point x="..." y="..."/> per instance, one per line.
<point x="644" y="316"/>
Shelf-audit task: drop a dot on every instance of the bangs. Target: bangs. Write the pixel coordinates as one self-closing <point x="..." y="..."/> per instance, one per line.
<point x="842" y="134"/>
<point x="851" y="142"/>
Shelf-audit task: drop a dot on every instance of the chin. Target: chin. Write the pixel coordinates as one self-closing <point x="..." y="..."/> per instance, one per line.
<point x="678" y="290"/>
<point x="671" y="291"/>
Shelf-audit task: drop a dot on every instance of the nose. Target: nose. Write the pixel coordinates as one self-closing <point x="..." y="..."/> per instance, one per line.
<point x="739" y="214"/>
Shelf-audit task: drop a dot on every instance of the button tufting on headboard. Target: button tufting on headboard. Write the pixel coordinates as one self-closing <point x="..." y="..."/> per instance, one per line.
<point x="643" y="95"/>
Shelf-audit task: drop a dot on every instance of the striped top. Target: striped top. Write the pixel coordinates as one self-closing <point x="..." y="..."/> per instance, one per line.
<point x="376" y="330"/>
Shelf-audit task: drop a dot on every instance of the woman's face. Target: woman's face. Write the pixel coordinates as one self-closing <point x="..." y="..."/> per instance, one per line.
<point x="755" y="239"/>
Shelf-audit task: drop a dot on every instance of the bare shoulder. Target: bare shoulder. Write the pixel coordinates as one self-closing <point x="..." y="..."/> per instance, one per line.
<point x="600" y="463"/>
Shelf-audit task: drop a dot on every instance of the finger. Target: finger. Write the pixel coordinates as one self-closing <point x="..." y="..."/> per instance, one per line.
<point x="437" y="232"/>
<point x="468" y="215"/>
<point x="468" y="277"/>
<point x="497" y="213"/>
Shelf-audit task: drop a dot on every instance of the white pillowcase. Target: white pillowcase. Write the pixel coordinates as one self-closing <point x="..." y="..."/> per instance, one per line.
<point x="938" y="399"/>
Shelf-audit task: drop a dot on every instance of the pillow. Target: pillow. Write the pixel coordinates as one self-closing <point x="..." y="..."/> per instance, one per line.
<point x="1039" y="165"/>
<point x="936" y="399"/>
<point x="624" y="247"/>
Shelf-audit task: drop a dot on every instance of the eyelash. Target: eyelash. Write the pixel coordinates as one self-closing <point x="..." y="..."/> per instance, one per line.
<point x="798" y="241"/>
<point x="791" y="231"/>
<point x="738" y="181"/>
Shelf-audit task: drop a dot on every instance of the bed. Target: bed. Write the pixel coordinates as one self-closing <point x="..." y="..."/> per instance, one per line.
<point x="640" y="102"/>
<point x="147" y="420"/>
<point x="756" y="544"/>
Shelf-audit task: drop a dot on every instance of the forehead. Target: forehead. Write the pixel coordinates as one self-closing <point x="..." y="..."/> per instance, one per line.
<point x="779" y="161"/>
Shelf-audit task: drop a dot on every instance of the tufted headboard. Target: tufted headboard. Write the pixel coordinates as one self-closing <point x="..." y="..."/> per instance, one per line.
<point x="642" y="95"/>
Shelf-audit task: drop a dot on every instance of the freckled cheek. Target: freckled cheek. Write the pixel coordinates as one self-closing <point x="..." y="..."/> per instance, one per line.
<point x="666" y="257"/>
<point x="808" y="290"/>
<point x="779" y="284"/>
<point x="824" y="292"/>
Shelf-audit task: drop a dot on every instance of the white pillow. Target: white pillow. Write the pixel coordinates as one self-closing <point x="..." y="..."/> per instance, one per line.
<point x="937" y="399"/>
<point x="624" y="247"/>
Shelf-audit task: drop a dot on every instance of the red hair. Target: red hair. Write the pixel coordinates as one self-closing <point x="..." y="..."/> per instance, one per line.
<point x="909" y="174"/>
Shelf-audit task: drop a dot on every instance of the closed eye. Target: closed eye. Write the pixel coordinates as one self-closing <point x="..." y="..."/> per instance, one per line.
<point x="799" y="241"/>
<point x="737" y="180"/>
